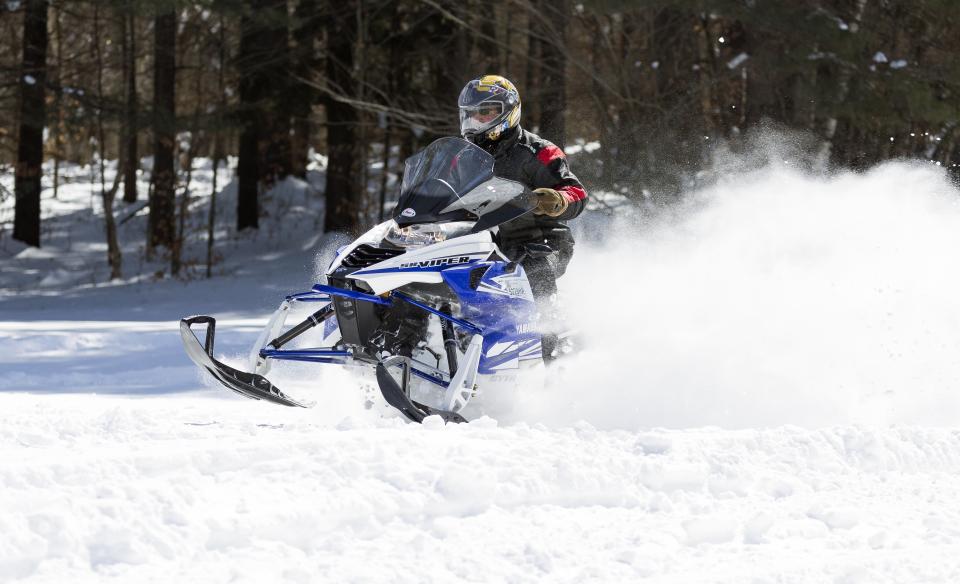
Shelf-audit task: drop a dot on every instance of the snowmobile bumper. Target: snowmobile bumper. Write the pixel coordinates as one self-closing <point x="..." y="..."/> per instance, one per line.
<point x="246" y="384"/>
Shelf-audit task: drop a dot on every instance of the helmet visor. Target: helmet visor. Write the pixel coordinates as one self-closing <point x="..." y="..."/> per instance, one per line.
<point x="480" y="117"/>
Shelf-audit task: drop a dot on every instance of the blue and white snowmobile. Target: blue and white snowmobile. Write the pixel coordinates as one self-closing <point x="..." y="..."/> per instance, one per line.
<point x="425" y="300"/>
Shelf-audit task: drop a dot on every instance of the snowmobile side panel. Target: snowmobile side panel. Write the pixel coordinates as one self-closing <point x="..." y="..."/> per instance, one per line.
<point x="500" y="302"/>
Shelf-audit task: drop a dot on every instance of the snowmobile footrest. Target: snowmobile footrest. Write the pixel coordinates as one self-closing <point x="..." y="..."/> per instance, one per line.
<point x="246" y="384"/>
<point x="397" y="397"/>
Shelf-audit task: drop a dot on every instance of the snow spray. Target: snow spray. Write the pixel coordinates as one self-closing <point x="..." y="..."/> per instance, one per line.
<point x="773" y="297"/>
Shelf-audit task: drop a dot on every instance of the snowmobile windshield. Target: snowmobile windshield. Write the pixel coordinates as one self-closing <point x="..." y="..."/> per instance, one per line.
<point x="452" y="180"/>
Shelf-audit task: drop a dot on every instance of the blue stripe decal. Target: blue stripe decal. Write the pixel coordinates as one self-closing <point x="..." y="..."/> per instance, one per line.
<point x="351" y="294"/>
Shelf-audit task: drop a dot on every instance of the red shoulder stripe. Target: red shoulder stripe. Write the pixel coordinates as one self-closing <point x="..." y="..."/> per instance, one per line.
<point x="573" y="193"/>
<point x="549" y="153"/>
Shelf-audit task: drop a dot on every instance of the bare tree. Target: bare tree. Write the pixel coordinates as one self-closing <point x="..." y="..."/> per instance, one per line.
<point x="107" y="196"/>
<point x="58" y="138"/>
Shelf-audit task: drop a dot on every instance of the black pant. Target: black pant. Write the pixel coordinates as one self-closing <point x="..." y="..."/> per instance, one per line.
<point x="542" y="272"/>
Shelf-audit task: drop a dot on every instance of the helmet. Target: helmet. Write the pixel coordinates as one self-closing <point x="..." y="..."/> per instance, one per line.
<point x="489" y="106"/>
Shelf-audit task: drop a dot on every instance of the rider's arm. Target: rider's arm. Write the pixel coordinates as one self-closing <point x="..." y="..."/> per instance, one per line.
<point x="553" y="172"/>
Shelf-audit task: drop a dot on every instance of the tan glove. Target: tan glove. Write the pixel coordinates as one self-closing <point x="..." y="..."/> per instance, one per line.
<point x="550" y="202"/>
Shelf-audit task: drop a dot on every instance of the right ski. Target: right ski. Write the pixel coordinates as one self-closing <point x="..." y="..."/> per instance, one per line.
<point x="397" y="397"/>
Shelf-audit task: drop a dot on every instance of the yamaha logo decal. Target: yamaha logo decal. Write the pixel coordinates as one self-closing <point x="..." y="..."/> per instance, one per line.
<point x="408" y="212"/>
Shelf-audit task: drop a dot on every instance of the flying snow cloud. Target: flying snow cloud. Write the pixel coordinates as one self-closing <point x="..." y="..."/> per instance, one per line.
<point x="773" y="297"/>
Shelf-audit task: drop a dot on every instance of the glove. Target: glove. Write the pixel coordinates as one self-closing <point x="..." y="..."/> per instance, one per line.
<point x="550" y="202"/>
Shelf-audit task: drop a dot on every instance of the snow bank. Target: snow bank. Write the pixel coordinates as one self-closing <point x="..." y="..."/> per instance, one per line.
<point x="775" y="297"/>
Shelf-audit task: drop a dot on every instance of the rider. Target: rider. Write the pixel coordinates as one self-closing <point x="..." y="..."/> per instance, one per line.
<point x="490" y="118"/>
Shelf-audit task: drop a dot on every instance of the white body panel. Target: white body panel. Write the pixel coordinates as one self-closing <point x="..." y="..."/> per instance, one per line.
<point x="459" y="250"/>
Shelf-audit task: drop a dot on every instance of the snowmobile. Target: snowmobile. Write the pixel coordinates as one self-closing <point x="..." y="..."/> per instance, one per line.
<point x="425" y="301"/>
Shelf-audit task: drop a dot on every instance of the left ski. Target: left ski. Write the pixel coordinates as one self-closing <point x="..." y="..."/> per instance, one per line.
<point x="246" y="384"/>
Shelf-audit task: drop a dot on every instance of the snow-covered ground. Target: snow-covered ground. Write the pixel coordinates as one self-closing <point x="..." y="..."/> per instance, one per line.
<point x="203" y="488"/>
<point x="768" y="394"/>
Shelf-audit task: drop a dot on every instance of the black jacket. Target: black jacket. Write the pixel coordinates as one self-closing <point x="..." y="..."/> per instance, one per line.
<point x="529" y="159"/>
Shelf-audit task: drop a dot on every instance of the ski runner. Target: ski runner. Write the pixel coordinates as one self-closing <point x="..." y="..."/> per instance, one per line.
<point x="490" y="118"/>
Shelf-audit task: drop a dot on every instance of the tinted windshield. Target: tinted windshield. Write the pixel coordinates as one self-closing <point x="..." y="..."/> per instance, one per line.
<point x="458" y="163"/>
<point x="452" y="180"/>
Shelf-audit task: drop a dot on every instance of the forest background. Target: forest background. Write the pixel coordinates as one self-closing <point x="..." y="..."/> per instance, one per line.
<point x="648" y="92"/>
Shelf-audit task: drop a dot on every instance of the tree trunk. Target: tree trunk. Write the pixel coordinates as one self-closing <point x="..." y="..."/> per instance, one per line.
<point x="33" y="79"/>
<point x="385" y="172"/>
<point x="360" y="77"/>
<point x="163" y="196"/>
<point x="114" y="257"/>
<point x="705" y="74"/>
<point x="275" y="73"/>
<point x="485" y="19"/>
<point x="842" y="89"/>
<point x="344" y="194"/>
<point x="132" y="156"/>
<point x="251" y="92"/>
<point x="265" y="98"/>
<point x="248" y="172"/>
<point x="217" y="140"/>
<point x="553" y="92"/>
<point x="58" y="140"/>
<point x="197" y="142"/>
<point x="529" y="93"/>
<point x="302" y="95"/>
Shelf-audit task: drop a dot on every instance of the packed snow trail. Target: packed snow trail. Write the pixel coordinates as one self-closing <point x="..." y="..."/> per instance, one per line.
<point x="767" y="394"/>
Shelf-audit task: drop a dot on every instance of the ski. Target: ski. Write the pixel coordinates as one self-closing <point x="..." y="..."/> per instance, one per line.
<point x="249" y="385"/>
